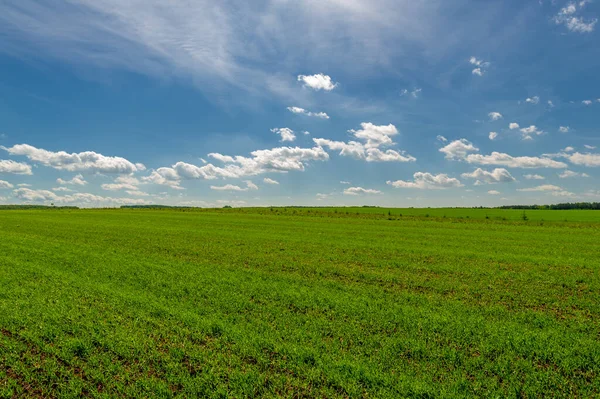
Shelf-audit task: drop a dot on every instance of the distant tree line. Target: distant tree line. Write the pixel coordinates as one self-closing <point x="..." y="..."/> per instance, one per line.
<point x="568" y="205"/>
<point x="8" y="207"/>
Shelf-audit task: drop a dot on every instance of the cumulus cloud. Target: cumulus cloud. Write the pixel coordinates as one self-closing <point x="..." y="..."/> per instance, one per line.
<point x="493" y="135"/>
<point x="231" y="187"/>
<point x="318" y="82"/>
<point x="494" y="116"/>
<point x="494" y="192"/>
<point x="371" y="138"/>
<point x="533" y="100"/>
<point x="481" y="66"/>
<point x="513" y="126"/>
<point x="569" y="173"/>
<point x="533" y="177"/>
<point x="545" y="187"/>
<point x="281" y="159"/>
<point x="5" y="185"/>
<point x="502" y="159"/>
<point x="583" y="159"/>
<point x="586" y="102"/>
<point x="442" y="139"/>
<point x="76" y="181"/>
<point x="568" y="149"/>
<point x="285" y="133"/>
<point x="270" y="181"/>
<point x="458" y="149"/>
<point x="528" y="132"/>
<point x="564" y="129"/>
<point x="122" y="183"/>
<point x="18" y="168"/>
<point x="589" y="147"/>
<point x="76" y="162"/>
<point x="360" y="190"/>
<point x="302" y="111"/>
<point x="30" y="195"/>
<point x="567" y="17"/>
<point x="498" y="175"/>
<point x="461" y="149"/>
<point x="427" y="181"/>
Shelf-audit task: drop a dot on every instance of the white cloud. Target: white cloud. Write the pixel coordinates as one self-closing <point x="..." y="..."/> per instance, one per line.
<point x="533" y="100"/>
<point x="589" y="147"/>
<point x="137" y="193"/>
<point x="568" y="149"/>
<point x="534" y="177"/>
<point x="494" y="116"/>
<point x="498" y="175"/>
<point x="583" y="159"/>
<point x="360" y="190"/>
<point x="228" y="187"/>
<point x="493" y="135"/>
<point x="442" y="139"/>
<point x="458" y="149"/>
<point x="5" y="185"/>
<point x="123" y="183"/>
<point x="231" y="187"/>
<point x="586" y="102"/>
<point x="318" y="82"/>
<point x="566" y="16"/>
<point x="18" y="168"/>
<point x="23" y="185"/>
<point x="575" y="24"/>
<point x="281" y="159"/>
<point x="494" y="192"/>
<point x="529" y="131"/>
<point x="76" y="162"/>
<point x="76" y="181"/>
<point x="270" y="181"/>
<point x="29" y="195"/>
<point x="502" y="159"/>
<point x="480" y="64"/>
<point x="372" y="137"/>
<point x="427" y="181"/>
<point x="376" y="155"/>
<point x="62" y="189"/>
<point x="415" y="93"/>
<point x="286" y="134"/>
<point x="251" y="185"/>
<point x="545" y="187"/>
<point x="564" y="129"/>
<point x="302" y="111"/>
<point x="550" y="104"/>
<point x="345" y="182"/>
<point x="513" y="126"/>
<point x="569" y="173"/>
<point x="321" y="196"/>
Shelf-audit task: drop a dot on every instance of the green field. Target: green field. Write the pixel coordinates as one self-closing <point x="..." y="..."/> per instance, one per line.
<point x="290" y="302"/>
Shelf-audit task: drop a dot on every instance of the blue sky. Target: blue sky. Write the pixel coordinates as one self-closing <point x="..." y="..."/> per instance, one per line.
<point x="314" y="102"/>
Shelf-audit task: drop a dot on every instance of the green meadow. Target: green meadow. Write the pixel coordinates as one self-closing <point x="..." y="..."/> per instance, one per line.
<point x="299" y="302"/>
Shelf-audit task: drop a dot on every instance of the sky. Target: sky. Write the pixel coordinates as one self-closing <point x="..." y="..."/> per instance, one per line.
<point x="204" y="103"/>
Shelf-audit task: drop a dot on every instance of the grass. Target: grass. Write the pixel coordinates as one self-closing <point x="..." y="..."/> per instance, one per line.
<point x="309" y="302"/>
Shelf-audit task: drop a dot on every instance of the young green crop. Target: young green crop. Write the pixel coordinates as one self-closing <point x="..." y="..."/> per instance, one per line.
<point x="304" y="302"/>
